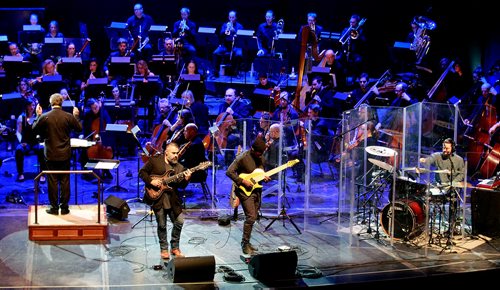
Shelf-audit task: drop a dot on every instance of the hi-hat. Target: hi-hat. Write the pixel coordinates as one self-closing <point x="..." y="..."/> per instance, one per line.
<point x="381" y="151"/>
<point x="381" y="164"/>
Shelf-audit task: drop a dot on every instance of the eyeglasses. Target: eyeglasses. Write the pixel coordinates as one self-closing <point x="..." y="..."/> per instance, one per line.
<point x="362" y="82"/>
<point x="229" y="96"/>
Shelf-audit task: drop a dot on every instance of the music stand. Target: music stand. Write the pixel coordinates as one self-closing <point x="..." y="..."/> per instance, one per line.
<point x="121" y="66"/>
<point x="49" y="85"/>
<point x="53" y="47"/>
<point x="11" y="104"/>
<point x="262" y="100"/>
<point x="246" y="40"/>
<point x="115" y="31"/>
<point x="114" y="132"/>
<point x="96" y="87"/>
<point x="163" y="65"/>
<point x="102" y="164"/>
<point x="31" y="34"/>
<point x="15" y="67"/>
<point x="206" y="37"/>
<point x="144" y="152"/>
<point x="77" y="144"/>
<point x="71" y="68"/>
<point x="325" y="73"/>
<point x="285" y="43"/>
<point x="68" y="105"/>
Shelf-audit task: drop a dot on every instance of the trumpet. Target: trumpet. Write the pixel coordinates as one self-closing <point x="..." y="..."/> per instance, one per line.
<point x="229" y="27"/>
<point x="183" y="26"/>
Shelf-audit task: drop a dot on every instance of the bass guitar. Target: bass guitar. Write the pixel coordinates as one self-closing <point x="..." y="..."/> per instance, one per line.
<point x="258" y="175"/>
<point x="168" y="177"/>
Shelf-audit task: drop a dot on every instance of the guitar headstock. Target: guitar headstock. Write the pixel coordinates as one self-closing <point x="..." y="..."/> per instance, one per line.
<point x="204" y="165"/>
<point x="292" y="162"/>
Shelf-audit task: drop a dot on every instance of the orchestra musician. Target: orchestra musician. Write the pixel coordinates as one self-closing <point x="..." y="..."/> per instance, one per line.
<point x="28" y="140"/>
<point x="57" y="51"/>
<point x="119" y="78"/>
<point x="94" y="121"/>
<point x="353" y="50"/>
<point x="94" y="71"/>
<point x="192" y="152"/>
<point x="185" y="31"/>
<point x="227" y="36"/>
<point x="139" y="25"/>
<point x="311" y="40"/>
<point x="265" y="35"/>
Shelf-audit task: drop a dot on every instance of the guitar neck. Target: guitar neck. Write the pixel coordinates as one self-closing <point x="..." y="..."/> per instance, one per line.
<point x="181" y="174"/>
<point x="276" y="170"/>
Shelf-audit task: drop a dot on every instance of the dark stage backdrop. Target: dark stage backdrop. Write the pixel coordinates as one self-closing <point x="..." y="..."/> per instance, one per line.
<point x="387" y="21"/>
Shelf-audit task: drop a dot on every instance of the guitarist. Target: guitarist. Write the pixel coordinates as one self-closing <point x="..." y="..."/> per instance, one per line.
<point x="247" y="162"/>
<point x="169" y="203"/>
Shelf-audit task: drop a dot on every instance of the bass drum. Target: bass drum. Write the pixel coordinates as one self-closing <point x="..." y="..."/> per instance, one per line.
<point x="409" y="219"/>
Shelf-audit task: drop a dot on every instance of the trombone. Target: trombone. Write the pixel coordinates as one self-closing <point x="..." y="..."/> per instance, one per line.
<point x="351" y="32"/>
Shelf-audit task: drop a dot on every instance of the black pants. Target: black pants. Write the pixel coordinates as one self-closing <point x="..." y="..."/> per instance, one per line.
<point x="59" y="187"/>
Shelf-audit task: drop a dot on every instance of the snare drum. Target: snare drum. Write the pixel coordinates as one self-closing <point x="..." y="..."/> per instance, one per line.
<point x="409" y="218"/>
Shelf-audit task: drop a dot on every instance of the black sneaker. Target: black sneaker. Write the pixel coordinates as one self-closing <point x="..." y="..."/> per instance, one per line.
<point x="64" y="211"/>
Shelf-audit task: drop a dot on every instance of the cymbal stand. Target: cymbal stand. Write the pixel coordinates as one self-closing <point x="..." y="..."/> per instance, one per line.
<point x="380" y="183"/>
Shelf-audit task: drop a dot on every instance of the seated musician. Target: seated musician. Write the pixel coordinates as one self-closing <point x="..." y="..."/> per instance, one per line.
<point x="266" y="32"/>
<point x="323" y="95"/>
<point x="287" y="115"/>
<point x="118" y="78"/>
<point x="192" y="152"/>
<point x="320" y="135"/>
<point x="238" y="109"/>
<point x="48" y="69"/>
<point x="94" y="120"/>
<point x="271" y="154"/>
<point x="197" y="87"/>
<point x="199" y="111"/>
<point x="94" y="71"/>
<point x="262" y="130"/>
<point x="28" y="140"/>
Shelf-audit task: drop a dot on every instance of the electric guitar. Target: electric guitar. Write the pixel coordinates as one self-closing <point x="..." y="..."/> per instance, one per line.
<point x="258" y="175"/>
<point x="154" y="192"/>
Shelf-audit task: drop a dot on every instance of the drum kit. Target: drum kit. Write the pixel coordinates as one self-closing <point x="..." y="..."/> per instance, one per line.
<point x="408" y="212"/>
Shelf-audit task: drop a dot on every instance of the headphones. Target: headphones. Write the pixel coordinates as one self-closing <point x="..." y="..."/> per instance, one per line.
<point x="450" y="141"/>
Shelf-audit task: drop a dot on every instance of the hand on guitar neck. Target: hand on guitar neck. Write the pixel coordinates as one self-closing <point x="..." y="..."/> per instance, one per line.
<point x="251" y="181"/>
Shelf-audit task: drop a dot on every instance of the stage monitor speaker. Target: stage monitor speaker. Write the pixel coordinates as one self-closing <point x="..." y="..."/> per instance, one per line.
<point x="116" y="207"/>
<point x="191" y="269"/>
<point x="485" y="214"/>
<point x="273" y="266"/>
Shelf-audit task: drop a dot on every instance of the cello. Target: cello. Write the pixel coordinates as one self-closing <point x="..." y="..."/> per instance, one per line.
<point x="221" y="128"/>
<point x="98" y="151"/>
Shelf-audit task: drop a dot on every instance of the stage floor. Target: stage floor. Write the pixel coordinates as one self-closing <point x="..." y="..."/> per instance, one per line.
<point x="329" y="253"/>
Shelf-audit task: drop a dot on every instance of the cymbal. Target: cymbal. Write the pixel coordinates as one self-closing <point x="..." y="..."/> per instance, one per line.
<point x="459" y="184"/>
<point x="425" y="170"/>
<point x="381" y="164"/>
<point x="381" y="151"/>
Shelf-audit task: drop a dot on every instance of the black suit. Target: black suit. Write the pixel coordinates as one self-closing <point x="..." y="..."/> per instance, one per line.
<point x="54" y="127"/>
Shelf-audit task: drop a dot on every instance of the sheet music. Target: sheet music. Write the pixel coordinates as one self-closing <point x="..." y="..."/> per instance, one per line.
<point x="105" y="165"/>
<point x="80" y="143"/>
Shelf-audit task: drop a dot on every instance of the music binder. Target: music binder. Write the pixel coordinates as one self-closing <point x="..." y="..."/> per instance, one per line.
<point x="52" y="79"/>
<point x="206" y="30"/>
<point x="11" y="58"/>
<point x="120" y="59"/>
<point x="158" y="28"/>
<point x="71" y="60"/>
<point x="243" y="32"/>
<point x="290" y="36"/>
<point x="4" y="38"/>
<point x="68" y="105"/>
<point x="97" y="81"/>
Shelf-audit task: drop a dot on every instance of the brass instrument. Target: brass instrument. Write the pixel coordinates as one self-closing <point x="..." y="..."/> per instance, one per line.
<point x="279" y="28"/>
<point x="79" y="53"/>
<point x="351" y="32"/>
<point x="143" y="44"/>
<point x="422" y="41"/>
<point x="183" y="26"/>
<point x="229" y="27"/>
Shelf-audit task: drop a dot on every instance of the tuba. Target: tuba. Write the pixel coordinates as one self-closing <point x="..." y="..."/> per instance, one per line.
<point x="422" y="41"/>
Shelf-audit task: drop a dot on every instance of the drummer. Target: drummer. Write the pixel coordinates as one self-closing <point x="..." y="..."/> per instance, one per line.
<point x="450" y="165"/>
